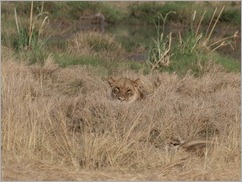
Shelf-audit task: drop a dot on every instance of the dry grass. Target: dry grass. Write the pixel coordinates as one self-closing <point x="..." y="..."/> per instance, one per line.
<point x="60" y="124"/>
<point x="96" y="44"/>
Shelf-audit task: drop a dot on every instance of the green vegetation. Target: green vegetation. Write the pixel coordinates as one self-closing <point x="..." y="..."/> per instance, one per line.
<point x="147" y="12"/>
<point x="105" y="66"/>
<point x="65" y="60"/>
<point x="26" y="28"/>
<point x="28" y="40"/>
<point x="193" y="52"/>
<point x="228" y="63"/>
<point x="232" y="16"/>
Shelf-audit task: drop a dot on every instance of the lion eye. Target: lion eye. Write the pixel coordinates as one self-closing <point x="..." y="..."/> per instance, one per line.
<point x="116" y="89"/>
<point x="129" y="92"/>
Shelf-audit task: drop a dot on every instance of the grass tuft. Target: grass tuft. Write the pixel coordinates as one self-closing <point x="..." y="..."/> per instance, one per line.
<point x="62" y="120"/>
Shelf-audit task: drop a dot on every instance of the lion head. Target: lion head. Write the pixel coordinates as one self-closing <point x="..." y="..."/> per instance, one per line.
<point x="125" y="89"/>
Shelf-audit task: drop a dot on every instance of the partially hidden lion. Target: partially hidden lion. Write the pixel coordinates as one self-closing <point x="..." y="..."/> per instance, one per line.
<point x="126" y="90"/>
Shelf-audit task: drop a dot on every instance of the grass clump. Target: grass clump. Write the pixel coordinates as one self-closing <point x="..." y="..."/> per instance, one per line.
<point x="192" y="51"/>
<point x="63" y="120"/>
<point x="159" y="50"/>
<point x="95" y="44"/>
<point x="29" y="39"/>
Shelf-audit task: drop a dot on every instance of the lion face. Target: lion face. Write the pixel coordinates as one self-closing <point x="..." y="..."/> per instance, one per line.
<point x="125" y="89"/>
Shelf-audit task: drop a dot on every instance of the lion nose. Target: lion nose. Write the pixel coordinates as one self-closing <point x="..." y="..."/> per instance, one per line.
<point x="121" y="98"/>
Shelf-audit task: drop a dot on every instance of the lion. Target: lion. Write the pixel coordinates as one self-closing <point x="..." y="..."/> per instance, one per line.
<point x="126" y="90"/>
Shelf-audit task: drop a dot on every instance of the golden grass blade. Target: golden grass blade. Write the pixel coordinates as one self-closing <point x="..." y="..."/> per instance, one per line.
<point x="199" y="24"/>
<point x="31" y="22"/>
<point x="214" y="25"/>
<point x="211" y="20"/>
<point x="16" y="19"/>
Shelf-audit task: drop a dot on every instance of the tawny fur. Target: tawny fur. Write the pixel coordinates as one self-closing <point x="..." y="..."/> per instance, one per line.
<point x="124" y="89"/>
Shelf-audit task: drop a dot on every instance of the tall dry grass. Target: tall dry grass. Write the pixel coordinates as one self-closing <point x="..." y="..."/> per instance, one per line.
<point x="60" y="124"/>
<point x="96" y="44"/>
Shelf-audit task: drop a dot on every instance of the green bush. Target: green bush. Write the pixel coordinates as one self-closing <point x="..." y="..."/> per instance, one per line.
<point x="21" y="40"/>
<point x="231" y="16"/>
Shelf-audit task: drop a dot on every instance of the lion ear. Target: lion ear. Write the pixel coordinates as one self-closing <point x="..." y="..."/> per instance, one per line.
<point x="137" y="82"/>
<point x="111" y="81"/>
